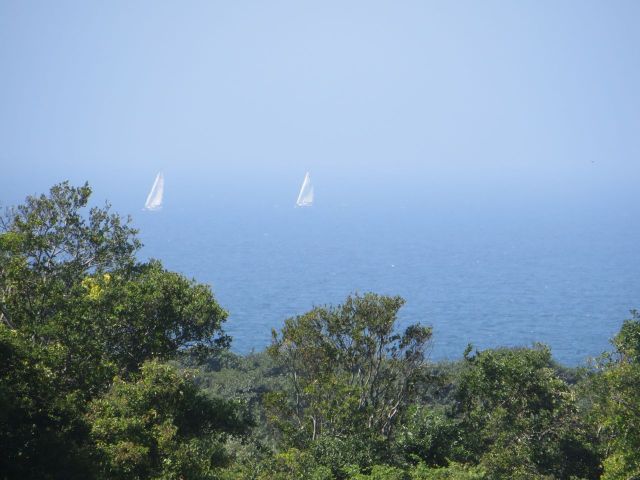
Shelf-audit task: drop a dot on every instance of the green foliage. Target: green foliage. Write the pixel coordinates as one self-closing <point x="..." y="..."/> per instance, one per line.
<point x="382" y="472"/>
<point x="73" y="280"/>
<point x="293" y="464"/>
<point x="75" y="310"/>
<point x="161" y="427"/>
<point x="240" y="377"/>
<point x="351" y="374"/>
<point x="453" y="471"/>
<point x="148" y="312"/>
<point x="427" y="434"/>
<point x="47" y="245"/>
<point x="246" y="379"/>
<point x="361" y="451"/>
<point x="519" y="419"/>
<point x="616" y="398"/>
<point x="40" y="432"/>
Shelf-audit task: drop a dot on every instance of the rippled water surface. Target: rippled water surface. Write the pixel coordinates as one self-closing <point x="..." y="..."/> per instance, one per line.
<point x="486" y="279"/>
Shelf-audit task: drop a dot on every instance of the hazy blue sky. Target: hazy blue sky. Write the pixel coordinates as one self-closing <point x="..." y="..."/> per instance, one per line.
<point x="512" y="100"/>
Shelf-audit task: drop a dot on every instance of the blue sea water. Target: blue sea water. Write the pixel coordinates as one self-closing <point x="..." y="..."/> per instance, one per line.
<point x="490" y="278"/>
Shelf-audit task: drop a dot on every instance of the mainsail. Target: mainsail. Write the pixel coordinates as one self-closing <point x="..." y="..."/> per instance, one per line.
<point x="154" y="200"/>
<point x="305" y="197"/>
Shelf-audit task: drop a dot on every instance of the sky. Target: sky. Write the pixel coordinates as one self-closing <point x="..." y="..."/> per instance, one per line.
<point x="449" y="102"/>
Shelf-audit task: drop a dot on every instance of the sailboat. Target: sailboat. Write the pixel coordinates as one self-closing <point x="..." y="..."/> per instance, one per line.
<point x="154" y="199"/>
<point x="305" y="197"/>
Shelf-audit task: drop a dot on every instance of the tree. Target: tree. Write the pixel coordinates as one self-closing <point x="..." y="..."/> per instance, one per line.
<point x="428" y="435"/>
<point x="519" y="419"/>
<point x="292" y="464"/>
<point x="380" y="472"/>
<point x="147" y="312"/>
<point x="41" y="432"/>
<point x="76" y="309"/>
<point x="72" y="279"/>
<point x="162" y="427"/>
<point x="454" y="471"/>
<point x="351" y="374"/>
<point x="616" y="396"/>
<point x="47" y="246"/>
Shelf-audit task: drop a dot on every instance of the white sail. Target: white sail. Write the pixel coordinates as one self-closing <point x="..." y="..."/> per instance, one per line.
<point x="154" y="199"/>
<point x="305" y="197"/>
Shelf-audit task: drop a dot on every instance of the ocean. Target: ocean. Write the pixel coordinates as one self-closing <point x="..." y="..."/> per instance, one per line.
<point x="488" y="277"/>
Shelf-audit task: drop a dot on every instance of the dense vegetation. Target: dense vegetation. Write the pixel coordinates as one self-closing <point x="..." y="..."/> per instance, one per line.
<point x="115" y="369"/>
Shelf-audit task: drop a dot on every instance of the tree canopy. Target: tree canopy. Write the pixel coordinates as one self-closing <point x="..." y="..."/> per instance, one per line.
<point x="77" y="309"/>
<point x="615" y="393"/>
<point x="352" y="375"/>
<point x="116" y="368"/>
